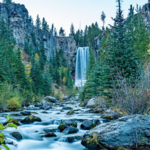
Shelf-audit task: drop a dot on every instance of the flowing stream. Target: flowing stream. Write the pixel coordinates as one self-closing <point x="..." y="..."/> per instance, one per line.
<point x="82" y="60"/>
<point x="31" y="133"/>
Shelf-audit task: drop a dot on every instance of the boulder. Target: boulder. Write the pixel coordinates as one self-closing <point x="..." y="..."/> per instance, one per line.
<point x="17" y="135"/>
<point x="71" y="112"/>
<point x="65" y="97"/>
<point x="66" y="123"/>
<point x="50" y="99"/>
<point x="70" y="139"/>
<point x="31" y="119"/>
<point x="67" y="108"/>
<point x="49" y="134"/>
<point x="62" y="127"/>
<point x="46" y="105"/>
<point x="91" y="103"/>
<point x="87" y="125"/>
<point x="51" y="130"/>
<point x="111" y="115"/>
<point x="14" y="121"/>
<point x="25" y="113"/>
<point x="70" y="130"/>
<point x="126" y="132"/>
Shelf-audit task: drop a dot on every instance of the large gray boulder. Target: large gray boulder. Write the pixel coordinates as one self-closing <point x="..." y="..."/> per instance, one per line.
<point x="126" y="132"/>
<point x="50" y="99"/>
<point x="91" y="103"/>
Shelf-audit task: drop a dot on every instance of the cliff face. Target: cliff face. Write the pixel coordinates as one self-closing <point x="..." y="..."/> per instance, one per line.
<point x="20" y="22"/>
<point x="68" y="44"/>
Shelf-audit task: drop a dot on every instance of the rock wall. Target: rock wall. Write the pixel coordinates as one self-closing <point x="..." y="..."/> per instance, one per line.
<point x="68" y="44"/>
<point x="20" y="22"/>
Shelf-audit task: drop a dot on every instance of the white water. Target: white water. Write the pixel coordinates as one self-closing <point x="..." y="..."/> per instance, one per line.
<point x="82" y="60"/>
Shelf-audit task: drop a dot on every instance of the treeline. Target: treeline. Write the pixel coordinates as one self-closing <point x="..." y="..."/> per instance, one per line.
<point x="123" y="55"/>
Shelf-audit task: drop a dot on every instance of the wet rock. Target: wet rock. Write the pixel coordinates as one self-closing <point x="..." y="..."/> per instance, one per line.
<point x="50" y="99"/>
<point x="71" y="112"/>
<point x="14" y="121"/>
<point x="17" y="135"/>
<point x="46" y="105"/>
<point x="51" y="130"/>
<point x="87" y="125"/>
<point x="25" y="113"/>
<point x="16" y="115"/>
<point x="34" y="112"/>
<point x="70" y="139"/>
<point x="62" y="127"/>
<point x="44" y="112"/>
<point x="31" y="119"/>
<point x="70" y="130"/>
<point x="49" y="134"/>
<point x="67" y="108"/>
<point x="38" y="104"/>
<point x="119" y="133"/>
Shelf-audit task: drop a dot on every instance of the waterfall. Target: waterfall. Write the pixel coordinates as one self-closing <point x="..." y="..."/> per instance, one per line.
<point x="82" y="59"/>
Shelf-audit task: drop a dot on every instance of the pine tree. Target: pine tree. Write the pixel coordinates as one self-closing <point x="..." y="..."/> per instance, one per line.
<point x="45" y="26"/>
<point x="103" y="17"/>
<point x="61" y="32"/>
<point x="72" y="30"/>
<point x="121" y="57"/>
<point x="38" y="22"/>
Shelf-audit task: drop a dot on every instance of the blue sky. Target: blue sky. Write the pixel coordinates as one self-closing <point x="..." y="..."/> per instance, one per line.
<point x="64" y="12"/>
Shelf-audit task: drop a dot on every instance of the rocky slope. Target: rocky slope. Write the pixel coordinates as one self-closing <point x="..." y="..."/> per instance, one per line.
<point x="21" y="23"/>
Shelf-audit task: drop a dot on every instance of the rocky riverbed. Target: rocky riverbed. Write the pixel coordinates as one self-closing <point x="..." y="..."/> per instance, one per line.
<point x="67" y="126"/>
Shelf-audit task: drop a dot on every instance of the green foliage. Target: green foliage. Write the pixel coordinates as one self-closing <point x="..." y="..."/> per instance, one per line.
<point x="2" y="136"/>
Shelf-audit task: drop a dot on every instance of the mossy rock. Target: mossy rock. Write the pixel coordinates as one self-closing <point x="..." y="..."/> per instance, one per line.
<point x="70" y="112"/>
<point x="14" y="121"/>
<point x="31" y="119"/>
<point x="62" y="127"/>
<point x="74" y="124"/>
<point x="110" y="117"/>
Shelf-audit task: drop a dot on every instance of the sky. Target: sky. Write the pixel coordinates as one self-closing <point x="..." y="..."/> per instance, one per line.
<point x="62" y="13"/>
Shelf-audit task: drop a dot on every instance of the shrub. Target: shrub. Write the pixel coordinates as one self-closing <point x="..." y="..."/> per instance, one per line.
<point x="56" y="86"/>
<point x="132" y="98"/>
<point x="14" y="103"/>
<point x="58" y="95"/>
<point x="2" y="136"/>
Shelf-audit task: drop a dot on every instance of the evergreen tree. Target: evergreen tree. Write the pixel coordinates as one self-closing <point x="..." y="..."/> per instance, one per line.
<point x="121" y="57"/>
<point x="72" y="30"/>
<point x="61" y="32"/>
<point x="45" y="26"/>
<point x="103" y="17"/>
<point x="38" y="22"/>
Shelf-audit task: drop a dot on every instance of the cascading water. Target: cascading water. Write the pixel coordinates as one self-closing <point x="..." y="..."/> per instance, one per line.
<point x="82" y="60"/>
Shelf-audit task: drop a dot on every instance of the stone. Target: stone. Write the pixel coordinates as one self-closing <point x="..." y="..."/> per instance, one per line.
<point x="25" y="113"/>
<point x="70" y="130"/>
<point x="51" y="130"/>
<point x="31" y="119"/>
<point x="125" y="132"/>
<point x="49" y="134"/>
<point x="111" y="115"/>
<point x="67" y="108"/>
<point x="71" y="112"/>
<point x="17" y="135"/>
<point x="50" y="99"/>
<point x="65" y="97"/>
<point x="91" y="103"/>
<point x="14" y="121"/>
<point x="62" y="127"/>
<point x="87" y="125"/>
<point x="70" y="139"/>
